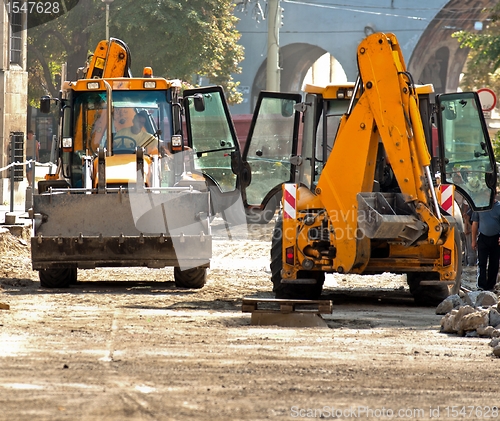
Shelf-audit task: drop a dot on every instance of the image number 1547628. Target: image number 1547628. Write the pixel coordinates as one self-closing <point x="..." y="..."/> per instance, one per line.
<point x="37" y="12"/>
<point x="33" y="7"/>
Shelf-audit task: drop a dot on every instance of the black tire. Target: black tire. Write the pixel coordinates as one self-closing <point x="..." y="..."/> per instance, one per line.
<point x="57" y="278"/>
<point x="193" y="278"/>
<point x="264" y="216"/>
<point x="426" y="295"/>
<point x="291" y="291"/>
<point x="432" y="295"/>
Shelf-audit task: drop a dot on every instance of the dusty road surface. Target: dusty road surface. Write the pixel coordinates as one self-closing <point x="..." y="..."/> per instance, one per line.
<point x="129" y="345"/>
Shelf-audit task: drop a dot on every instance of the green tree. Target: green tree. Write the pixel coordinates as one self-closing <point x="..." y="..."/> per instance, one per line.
<point x="178" y="39"/>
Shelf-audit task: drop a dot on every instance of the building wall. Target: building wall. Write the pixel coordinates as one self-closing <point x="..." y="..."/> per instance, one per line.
<point x="13" y="105"/>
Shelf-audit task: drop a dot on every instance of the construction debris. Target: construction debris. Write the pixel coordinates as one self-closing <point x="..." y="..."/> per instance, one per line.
<point x="11" y="244"/>
<point x="473" y="298"/>
<point x="4" y="306"/>
<point x="475" y="314"/>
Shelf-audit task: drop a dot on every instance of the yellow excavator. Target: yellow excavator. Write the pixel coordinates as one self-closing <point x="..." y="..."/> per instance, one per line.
<point x="119" y="200"/>
<point x="365" y="172"/>
<point x="366" y="199"/>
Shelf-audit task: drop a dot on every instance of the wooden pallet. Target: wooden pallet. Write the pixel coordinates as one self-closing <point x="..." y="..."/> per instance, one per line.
<point x="275" y="305"/>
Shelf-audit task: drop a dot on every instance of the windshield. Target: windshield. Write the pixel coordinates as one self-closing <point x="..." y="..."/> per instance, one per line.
<point x="90" y="114"/>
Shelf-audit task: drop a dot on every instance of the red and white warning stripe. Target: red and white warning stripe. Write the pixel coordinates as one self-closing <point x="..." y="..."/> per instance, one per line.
<point x="289" y="201"/>
<point x="447" y="198"/>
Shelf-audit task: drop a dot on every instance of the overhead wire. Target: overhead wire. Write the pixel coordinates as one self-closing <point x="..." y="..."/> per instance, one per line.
<point x="355" y="9"/>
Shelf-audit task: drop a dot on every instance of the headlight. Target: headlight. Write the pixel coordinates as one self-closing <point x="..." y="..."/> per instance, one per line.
<point x="176" y="140"/>
<point x="67" y="142"/>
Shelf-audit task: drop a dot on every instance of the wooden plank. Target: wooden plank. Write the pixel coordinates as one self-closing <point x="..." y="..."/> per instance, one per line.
<point x="4" y="306"/>
<point x="277" y="305"/>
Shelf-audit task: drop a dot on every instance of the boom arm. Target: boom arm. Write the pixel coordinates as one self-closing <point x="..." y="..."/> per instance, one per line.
<point x="110" y="59"/>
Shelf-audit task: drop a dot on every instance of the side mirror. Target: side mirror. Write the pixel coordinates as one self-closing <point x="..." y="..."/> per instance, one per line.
<point x="199" y="103"/>
<point x="45" y="104"/>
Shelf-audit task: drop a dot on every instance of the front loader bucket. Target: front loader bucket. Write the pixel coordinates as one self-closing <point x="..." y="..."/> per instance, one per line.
<point x="150" y="229"/>
<point x="388" y="216"/>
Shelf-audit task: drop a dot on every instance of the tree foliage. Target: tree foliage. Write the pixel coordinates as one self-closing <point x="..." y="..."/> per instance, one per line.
<point x="178" y="39"/>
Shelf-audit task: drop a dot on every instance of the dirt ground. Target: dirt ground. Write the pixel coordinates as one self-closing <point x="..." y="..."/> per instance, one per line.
<point x="126" y="344"/>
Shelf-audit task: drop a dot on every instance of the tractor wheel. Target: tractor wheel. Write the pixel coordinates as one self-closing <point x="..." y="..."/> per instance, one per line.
<point x="432" y="295"/>
<point x="291" y="291"/>
<point x="190" y="278"/>
<point x="426" y="295"/>
<point x="57" y="278"/>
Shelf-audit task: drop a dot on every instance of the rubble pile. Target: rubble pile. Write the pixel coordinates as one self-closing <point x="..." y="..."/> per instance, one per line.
<point x="13" y="245"/>
<point x="15" y="260"/>
<point x="472" y="314"/>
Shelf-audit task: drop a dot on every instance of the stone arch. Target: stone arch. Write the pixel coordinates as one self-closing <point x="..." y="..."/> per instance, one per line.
<point x="295" y="60"/>
<point x="435" y="70"/>
<point x="437" y="46"/>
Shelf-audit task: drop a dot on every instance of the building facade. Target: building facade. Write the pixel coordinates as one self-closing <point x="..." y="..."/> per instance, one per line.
<point x="13" y="96"/>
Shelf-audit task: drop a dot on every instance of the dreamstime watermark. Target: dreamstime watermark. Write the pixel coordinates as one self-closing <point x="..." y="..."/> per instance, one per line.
<point x="473" y="412"/>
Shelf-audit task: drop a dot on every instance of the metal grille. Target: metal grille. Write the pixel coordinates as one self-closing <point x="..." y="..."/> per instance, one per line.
<point x="17" y="154"/>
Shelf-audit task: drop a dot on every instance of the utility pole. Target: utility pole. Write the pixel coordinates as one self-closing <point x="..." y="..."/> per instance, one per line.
<point x="108" y="2"/>
<point x="273" y="49"/>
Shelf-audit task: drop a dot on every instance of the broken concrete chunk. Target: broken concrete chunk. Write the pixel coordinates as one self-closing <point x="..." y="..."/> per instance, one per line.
<point x="494" y="317"/>
<point x="486" y="299"/>
<point x="472" y="321"/>
<point x="487" y="331"/>
<point x="449" y="303"/>
<point x="496" y="351"/>
<point x="461" y="312"/>
<point x="447" y="323"/>
<point x="470" y="298"/>
<point x="494" y="342"/>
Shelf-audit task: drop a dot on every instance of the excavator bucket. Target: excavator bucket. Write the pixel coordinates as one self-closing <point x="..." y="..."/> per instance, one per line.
<point x="387" y="216"/>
